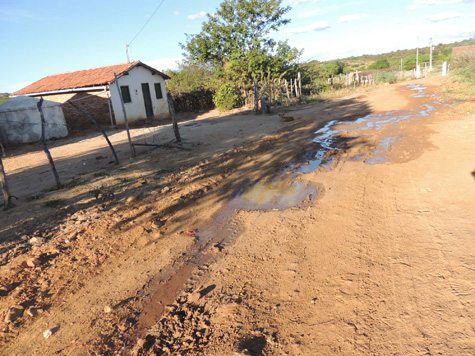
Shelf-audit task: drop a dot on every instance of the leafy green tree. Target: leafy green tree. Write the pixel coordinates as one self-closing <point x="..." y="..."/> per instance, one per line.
<point x="379" y="64"/>
<point x="333" y="68"/>
<point x="235" y="40"/>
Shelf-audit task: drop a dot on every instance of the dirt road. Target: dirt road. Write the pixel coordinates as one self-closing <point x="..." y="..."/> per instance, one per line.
<point x="345" y="232"/>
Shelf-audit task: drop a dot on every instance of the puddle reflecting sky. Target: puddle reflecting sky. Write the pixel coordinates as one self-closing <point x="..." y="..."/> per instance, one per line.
<point x="281" y="193"/>
<point x="328" y="136"/>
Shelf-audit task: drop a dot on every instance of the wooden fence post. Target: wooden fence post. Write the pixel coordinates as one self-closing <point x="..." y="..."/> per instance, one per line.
<point x="256" y="98"/>
<point x="6" y="192"/>
<point x="131" y="145"/>
<point x="281" y="93"/>
<point x="287" y="92"/>
<point x="99" y="127"/>
<point x="171" y="107"/>
<point x="300" y="87"/>
<point x="45" y="147"/>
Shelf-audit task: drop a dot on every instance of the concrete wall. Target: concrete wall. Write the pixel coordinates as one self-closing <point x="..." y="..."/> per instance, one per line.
<point x="24" y="125"/>
<point x="136" y="109"/>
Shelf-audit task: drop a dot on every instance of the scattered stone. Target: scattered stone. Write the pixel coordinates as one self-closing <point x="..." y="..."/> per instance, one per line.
<point x="47" y="333"/>
<point x="107" y="309"/>
<point x="33" y="312"/>
<point x="130" y="200"/>
<point x="158" y="223"/>
<point x="4" y="290"/>
<point x="37" y="241"/>
<point x="15" y="312"/>
<point x="33" y="262"/>
<point x="165" y="190"/>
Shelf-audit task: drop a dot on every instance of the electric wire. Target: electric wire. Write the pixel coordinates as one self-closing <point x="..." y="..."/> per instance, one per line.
<point x="146" y="23"/>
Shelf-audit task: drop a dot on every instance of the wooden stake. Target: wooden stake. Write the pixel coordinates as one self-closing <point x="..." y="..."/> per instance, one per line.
<point x="6" y="192"/>
<point x="131" y="145"/>
<point x="256" y="97"/>
<point x="45" y="147"/>
<point x="99" y="127"/>
<point x="281" y="93"/>
<point x="287" y="92"/>
<point x="171" y="107"/>
<point x="300" y="87"/>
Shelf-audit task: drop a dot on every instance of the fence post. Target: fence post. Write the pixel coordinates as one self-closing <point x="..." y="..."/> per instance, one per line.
<point x="171" y="107"/>
<point x="99" y="127"/>
<point x="256" y="98"/>
<point x="131" y="145"/>
<point x="45" y="147"/>
<point x="6" y="192"/>
<point x="287" y="92"/>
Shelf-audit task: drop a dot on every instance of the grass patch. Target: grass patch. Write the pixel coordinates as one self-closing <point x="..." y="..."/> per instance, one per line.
<point x="36" y="196"/>
<point x="53" y="203"/>
<point x="386" y="77"/>
<point x="101" y="174"/>
<point x="75" y="183"/>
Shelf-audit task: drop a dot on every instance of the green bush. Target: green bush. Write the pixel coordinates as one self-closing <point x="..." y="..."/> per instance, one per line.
<point x="379" y="64"/>
<point x="227" y="98"/>
<point x="386" y="77"/>
<point x="463" y="59"/>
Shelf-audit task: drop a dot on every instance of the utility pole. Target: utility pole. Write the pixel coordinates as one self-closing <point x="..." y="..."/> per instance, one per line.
<point x="127" y="52"/>
<point x="418" y="70"/>
<point x="430" y="57"/>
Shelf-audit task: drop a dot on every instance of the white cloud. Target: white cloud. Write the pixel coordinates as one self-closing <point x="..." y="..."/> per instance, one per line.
<point x="352" y="17"/>
<point x="198" y="16"/>
<point x="298" y="2"/>
<point x="443" y="16"/>
<point x="425" y="3"/>
<point x="316" y="26"/>
<point x="316" y="12"/>
<point x="164" y="63"/>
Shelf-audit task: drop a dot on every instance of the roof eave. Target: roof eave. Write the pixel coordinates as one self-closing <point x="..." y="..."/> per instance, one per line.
<point x="63" y="91"/>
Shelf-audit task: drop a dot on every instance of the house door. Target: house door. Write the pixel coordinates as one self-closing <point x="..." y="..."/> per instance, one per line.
<point x="147" y="99"/>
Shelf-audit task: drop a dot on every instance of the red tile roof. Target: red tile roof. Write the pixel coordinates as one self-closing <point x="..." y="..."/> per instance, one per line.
<point x="81" y="79"/>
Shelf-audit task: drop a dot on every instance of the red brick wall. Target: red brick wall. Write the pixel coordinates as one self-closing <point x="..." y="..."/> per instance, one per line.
<point x="97" y="106"/>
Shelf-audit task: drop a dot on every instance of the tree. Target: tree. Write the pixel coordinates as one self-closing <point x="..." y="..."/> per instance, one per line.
<point x="379" y="64"/>
<point x="236" y="41"/>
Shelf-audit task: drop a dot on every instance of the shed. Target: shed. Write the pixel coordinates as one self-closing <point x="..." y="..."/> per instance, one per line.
<point x="20" y="121"/>
<point x="94" y="90"/>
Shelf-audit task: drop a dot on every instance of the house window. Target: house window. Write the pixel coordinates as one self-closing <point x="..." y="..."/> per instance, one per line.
<point x="158" y="91"/>
<point x="125" y="94"/>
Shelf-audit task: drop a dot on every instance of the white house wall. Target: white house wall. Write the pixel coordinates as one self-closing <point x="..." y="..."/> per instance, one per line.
<point x="136" y="108"/>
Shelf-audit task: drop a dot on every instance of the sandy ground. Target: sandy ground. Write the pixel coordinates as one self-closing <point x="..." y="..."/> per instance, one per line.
<point x="347" y="231"/>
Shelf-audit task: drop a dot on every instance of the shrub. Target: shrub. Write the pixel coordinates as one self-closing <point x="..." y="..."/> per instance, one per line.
<point x="386" y="77"/>
<point x="227" y="98"/>
<point x="463" y="59"/>
<point x="380" y="64"/>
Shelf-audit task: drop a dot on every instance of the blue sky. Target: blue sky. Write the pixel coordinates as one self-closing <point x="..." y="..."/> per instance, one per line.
<point x="39" y="38"/>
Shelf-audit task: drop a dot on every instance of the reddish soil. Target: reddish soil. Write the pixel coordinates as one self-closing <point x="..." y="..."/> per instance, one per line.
<point x="368" y="253"/>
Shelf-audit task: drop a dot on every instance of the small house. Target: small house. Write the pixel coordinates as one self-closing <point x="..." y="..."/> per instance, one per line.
<point x="95" y="91"/>
<point x="20" y="121"/>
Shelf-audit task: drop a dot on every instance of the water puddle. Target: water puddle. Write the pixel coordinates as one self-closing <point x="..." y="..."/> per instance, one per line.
<point x="330" y="136"/>
<point x="281" y="193"/>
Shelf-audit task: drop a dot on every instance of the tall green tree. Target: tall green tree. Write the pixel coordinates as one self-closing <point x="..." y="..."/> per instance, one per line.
<point x="236" y="40"/>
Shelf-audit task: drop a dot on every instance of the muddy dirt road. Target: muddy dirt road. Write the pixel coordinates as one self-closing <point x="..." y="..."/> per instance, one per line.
<point x="348" y="231"/>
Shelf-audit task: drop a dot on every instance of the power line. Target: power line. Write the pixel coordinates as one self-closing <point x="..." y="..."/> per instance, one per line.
<point x="138" y="33"/>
